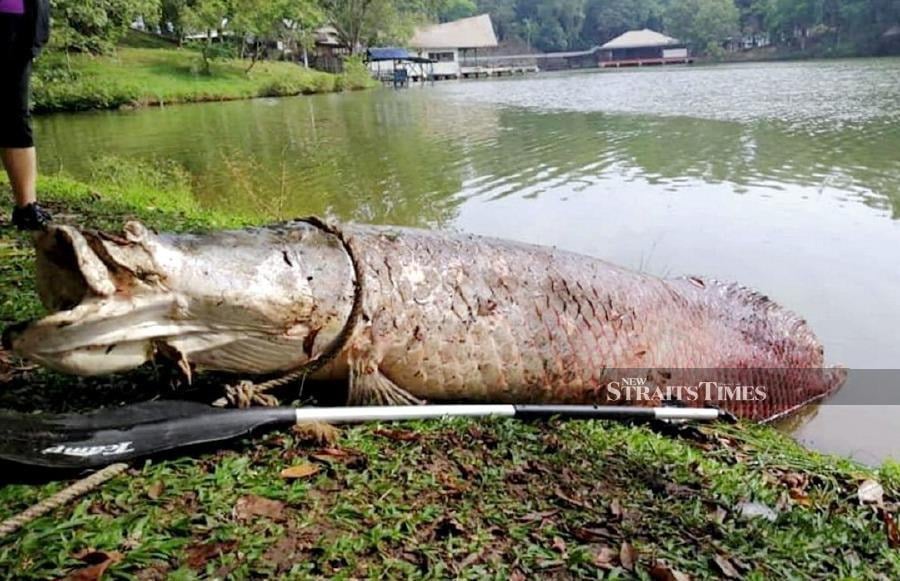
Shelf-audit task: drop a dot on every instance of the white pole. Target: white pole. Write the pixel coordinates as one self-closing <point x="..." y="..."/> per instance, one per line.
<point x="410" y="412"/>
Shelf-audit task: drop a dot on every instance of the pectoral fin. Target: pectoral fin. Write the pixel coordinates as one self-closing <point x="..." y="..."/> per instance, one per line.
<point x="369" y="386"/>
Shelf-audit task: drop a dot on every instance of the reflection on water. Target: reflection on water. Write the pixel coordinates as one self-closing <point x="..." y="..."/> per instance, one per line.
<point x="785" y="177"/>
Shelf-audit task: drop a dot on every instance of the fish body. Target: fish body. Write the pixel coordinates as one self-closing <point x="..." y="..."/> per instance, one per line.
<point x="409" y="315"/>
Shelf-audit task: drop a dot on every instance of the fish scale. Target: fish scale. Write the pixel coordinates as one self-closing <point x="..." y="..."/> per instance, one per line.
<point x="563" y="324"/>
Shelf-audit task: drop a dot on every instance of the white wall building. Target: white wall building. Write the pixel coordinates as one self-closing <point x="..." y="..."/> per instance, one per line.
<point x="448" y="45"/>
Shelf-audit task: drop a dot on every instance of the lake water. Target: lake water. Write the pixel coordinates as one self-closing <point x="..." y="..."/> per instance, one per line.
<point x="785" y="177"/>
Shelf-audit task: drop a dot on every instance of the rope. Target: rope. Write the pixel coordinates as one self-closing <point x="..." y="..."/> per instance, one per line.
<point x="61" y="498"/>
<point x="246" y="393"/>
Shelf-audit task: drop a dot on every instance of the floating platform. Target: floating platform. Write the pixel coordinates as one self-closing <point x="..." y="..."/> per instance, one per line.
<point x="646" y="62"/>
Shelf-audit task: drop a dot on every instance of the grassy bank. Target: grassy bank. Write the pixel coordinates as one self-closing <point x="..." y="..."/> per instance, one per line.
<point x="495" y="499"/>
<point x="157" y="76"/>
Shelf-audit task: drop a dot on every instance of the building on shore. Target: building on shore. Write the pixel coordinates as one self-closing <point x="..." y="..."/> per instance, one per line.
<point x="444" y="51"/>
<point x="644" y="47"/>
<point x="329" y="50"/>
<point x="452" y="45"/>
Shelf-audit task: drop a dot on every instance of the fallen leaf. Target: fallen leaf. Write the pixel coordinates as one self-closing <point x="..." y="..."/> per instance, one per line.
<point x="559" y="545"/>
<point x="316" y="432"/>
<point x="326" y="454"/>
<point x="756" y="510"/>
<point x="726" y="567"/>
<point x="252" y="505"/>
<point x="300" y="471"/>
<point x="98" y="562"/>
<point x="283" y="554"/>
<point x="890" y="528"/>
<point x="615" y="508"/>
<point x="717" y="514"/>
<point x="398" y="435"/>
<point x="627" y="556"/>
<point x="680" y="490"/>
<point x="448" y="527"/>
<point x="156" y="489"/>
<point x="871" y="492"/>
<point x="662" y="571"/>
<point x="605" y="558"/>
<point x="569" y="500"/>
<point x="799" y="496"/>
<point x="155" y="572"/>
<point x="536" y="516"/>
<point x="795" y="480"/>
<point x="197" y="556"/>
<point x="588" y="534"/>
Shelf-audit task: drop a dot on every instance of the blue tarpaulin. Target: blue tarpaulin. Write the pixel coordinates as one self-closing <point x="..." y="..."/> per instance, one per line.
<point x="388" y="54"/>
<point x="391" y="53"/>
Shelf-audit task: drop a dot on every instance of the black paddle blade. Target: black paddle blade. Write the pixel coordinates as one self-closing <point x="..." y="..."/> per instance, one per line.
<point x="102" y="437"/>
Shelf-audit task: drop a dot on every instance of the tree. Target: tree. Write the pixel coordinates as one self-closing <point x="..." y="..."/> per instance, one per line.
<point x="259" y="21"/>
<point x="607" y="19"/>
<point x="96" y="26"/>
<point x="373" y="22"/>
<point x="350" y="18"/>
<point x="455" y="9"/>
<point x="704" y="24"/>
<point x="209" y="17"/>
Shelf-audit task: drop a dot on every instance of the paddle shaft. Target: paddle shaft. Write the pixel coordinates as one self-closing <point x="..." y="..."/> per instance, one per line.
<point x="78" y="441"/>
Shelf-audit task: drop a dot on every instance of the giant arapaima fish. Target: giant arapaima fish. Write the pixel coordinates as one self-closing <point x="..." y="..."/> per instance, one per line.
<point x="409" y="315"/>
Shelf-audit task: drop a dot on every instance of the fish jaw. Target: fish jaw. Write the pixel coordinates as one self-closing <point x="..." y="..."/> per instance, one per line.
<point x="228" y="302"/>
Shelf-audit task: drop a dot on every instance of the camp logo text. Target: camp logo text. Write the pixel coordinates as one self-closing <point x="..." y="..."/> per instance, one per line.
<point x="86" y="451"/>
<point x="639" y="389"/>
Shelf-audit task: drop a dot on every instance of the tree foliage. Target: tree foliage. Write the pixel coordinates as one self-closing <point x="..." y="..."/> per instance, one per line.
<point x="825" y="26"/>
<point x="703" y="23"/>
<point x="97" y="25"/>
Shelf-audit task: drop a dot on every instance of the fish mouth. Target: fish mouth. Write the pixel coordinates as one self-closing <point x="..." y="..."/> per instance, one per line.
<point x="108" y="303"/>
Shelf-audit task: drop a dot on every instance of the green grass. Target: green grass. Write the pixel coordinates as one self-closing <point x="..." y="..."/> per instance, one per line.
<point x="472" y="499"/>
<point x="156" y="76"/>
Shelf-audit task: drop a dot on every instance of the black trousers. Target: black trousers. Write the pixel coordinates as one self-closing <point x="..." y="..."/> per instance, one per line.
<point x="15" y="83"/>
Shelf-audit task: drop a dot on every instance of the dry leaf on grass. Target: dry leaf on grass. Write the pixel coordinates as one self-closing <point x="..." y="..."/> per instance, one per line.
<point x="605" y="558"/>
<point x="517" y="575"/>
<point x="321" y="433"/>
<point x="537" y="516"/>
<point x="98" y="562"/>
<point x="156" y="489"/>
<point x="589" y="534"/>
<point x="662" y="571"/>
<point x="399" y="435"/>
<point x="300" y="471"/>
<point x="251" y="505"/>
<point x="448" y="527"/>
<point x="330" y="454"/>
<point x="197" y="556"/>
<point x="890" y="528"/>
<point x="800" y="497"/>
<point x="627" y="556"/>
<point x="871" y="492"/>
<point x="615" y="508"/>
<point x="750" y="510"/>
<point x="725" y="566"/>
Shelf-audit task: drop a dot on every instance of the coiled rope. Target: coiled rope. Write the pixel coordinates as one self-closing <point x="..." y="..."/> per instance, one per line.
<point x="61" y="498"/>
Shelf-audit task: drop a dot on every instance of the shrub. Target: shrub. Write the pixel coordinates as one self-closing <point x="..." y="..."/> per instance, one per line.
<point x="356" y="75"/>
<point x="82" y="93"/>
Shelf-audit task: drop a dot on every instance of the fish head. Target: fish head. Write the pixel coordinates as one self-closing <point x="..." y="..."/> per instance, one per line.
<point x="245" y="301"/>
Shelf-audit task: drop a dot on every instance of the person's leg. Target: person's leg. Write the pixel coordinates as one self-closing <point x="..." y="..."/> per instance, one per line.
<point x="21" y="167"/>
<point x="17" y="144"/>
